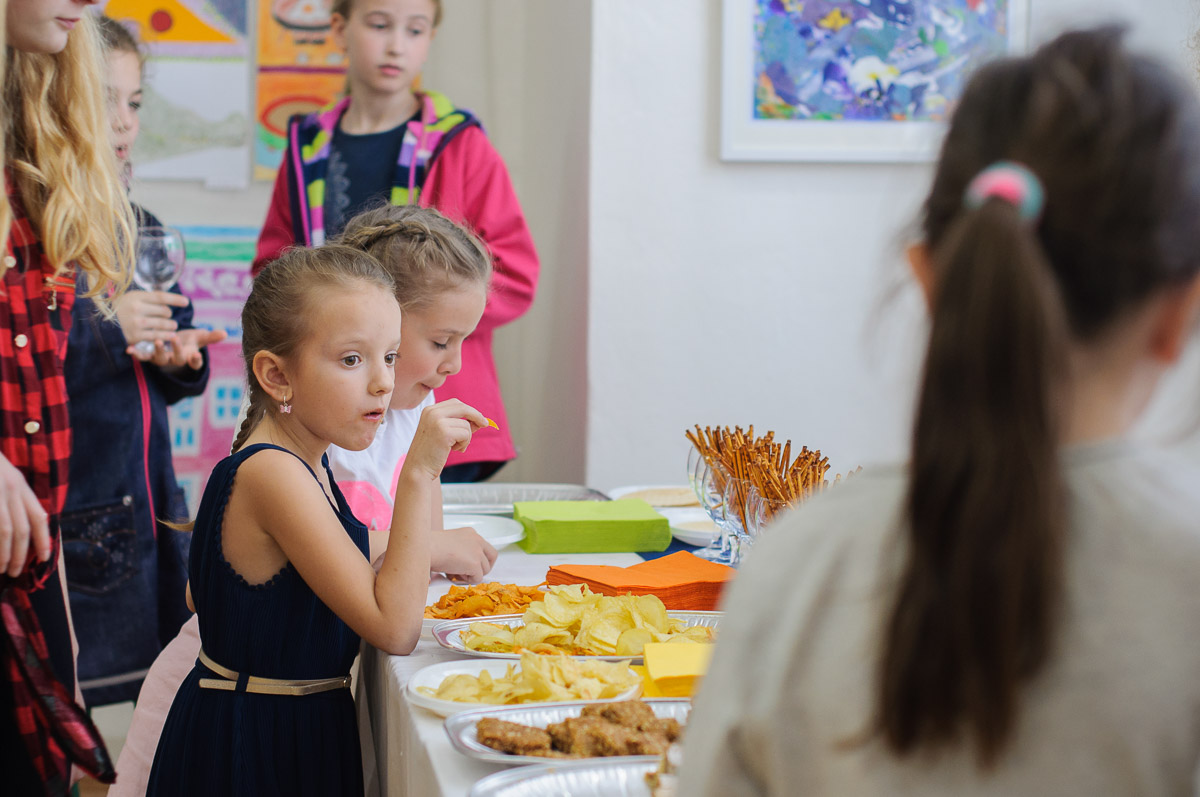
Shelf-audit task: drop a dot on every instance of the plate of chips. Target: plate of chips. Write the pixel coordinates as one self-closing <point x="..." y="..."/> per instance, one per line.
<point x="454" y="686"/>
<point x="479" y="600"/>
<point x="574" y="621"/>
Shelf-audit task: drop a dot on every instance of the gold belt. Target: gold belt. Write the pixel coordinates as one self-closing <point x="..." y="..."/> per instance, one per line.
<point x="237" y="682"/>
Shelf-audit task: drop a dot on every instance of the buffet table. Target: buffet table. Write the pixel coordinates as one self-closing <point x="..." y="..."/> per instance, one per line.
<point x="405" y="749"/>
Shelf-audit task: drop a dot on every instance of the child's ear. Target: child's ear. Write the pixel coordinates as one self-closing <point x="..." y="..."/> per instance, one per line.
<point x="1175" y="324"/>
<point x="272" y="376"/>
<point x="337" y="29"/>
<point x="920" y="262"/>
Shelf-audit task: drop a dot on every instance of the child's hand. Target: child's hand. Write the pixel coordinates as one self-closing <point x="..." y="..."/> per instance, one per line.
<point x="146" y="315"/>
<point x="446" y="426"/>
<point x="181" y="349"/>
<point x="23" y="522"/>
<point x="461" y="554"/>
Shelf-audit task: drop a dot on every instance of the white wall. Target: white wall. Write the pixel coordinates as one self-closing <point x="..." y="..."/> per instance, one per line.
<point x="734" y="293"/>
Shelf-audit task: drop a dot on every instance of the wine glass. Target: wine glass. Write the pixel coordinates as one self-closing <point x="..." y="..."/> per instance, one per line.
<point x="709" y="491"/>
<point x="734" y="524"/>
<point x="159" y="264"/>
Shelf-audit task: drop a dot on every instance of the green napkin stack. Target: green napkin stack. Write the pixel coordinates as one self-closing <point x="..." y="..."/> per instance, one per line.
<point x="628" y="525"/>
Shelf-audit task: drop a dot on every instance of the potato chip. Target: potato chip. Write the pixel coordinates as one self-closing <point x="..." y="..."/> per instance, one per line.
<point x="483" y="600"/>
<point x="540" y="678"/>
<point x="576" y="621"/>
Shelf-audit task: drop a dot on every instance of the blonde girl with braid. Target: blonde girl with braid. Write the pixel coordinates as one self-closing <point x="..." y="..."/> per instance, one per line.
<point x="279" y="574"/>
<point x="442" y="273"/>
<point x="63" y="217"/>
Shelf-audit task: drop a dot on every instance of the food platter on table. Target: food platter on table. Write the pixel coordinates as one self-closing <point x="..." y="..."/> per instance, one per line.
<point x="479" y="601"/>
<point x="586" y="778"/>
<point x="449" y="633"/>
<point x="434" y="675"/>
<point x="461" y="727"/>
<point x="497" y="530"/>
<point x="657" y="495"/>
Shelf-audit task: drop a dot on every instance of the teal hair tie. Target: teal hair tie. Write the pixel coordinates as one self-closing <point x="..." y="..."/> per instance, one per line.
<point x="1011" y="182"/>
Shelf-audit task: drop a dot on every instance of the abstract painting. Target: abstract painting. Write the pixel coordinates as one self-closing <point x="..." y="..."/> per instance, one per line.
<point x="860" y="80"/>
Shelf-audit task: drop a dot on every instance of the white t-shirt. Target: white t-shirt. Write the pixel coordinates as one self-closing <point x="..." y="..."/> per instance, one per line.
<point x="1115" y="711"/>
<point x="367" y="478"/>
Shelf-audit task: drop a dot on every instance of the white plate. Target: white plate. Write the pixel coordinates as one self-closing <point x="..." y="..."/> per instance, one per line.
<point x="499" y="531"/>
<point x="433" y="675"/>
<point x="623" y="492"/>
<point x="461" y="727"/>
<point x="448" y="633"/>
<point x="588" y="778"/>
<point x="676" y="515"/>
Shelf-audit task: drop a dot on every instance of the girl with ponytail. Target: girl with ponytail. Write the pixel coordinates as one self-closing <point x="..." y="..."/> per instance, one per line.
<point x="1015" y="612"/>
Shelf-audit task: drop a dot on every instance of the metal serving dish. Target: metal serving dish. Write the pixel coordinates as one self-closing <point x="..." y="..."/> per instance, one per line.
<point x="461" y="727"/>
<point x="496" y="498"/>
<point x="448" y="633"/>
<point x="588" y="778"/>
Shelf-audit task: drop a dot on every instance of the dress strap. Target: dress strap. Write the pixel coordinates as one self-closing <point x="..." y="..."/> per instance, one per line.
<point x="245" y="453"/>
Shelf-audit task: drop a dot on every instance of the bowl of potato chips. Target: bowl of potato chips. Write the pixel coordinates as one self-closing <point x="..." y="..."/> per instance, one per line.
<point x="574" y="621"/>
<point x="454" y="686"/>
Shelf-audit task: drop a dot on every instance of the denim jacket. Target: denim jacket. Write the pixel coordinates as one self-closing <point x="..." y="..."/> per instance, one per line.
<point x="126" y="570"/>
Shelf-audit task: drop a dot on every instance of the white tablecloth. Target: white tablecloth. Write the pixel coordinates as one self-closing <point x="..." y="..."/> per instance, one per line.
<point x="405" y="751"/>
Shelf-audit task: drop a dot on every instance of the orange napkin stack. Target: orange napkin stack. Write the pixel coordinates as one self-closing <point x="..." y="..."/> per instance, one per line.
<point x="683" y="582"/>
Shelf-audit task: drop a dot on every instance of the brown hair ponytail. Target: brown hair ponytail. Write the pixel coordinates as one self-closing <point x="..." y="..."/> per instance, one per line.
<point x="974" y="617"/>
<point x="1114" y="140"/>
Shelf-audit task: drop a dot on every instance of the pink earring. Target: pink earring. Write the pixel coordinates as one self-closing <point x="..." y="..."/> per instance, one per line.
<point x="285" y="407"/>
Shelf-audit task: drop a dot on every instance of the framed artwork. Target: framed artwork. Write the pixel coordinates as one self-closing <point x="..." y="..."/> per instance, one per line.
<point x="864" y="80"/>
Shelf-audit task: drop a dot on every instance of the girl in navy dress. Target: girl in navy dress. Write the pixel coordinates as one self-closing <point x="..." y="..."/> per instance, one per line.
<point x="279" y="574"/>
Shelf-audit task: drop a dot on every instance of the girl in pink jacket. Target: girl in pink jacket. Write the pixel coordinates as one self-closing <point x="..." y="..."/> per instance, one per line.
<point x="387" y="142"/>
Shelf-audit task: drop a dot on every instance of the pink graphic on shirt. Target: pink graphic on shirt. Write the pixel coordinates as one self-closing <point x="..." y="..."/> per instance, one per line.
<point x="371" y="507"/>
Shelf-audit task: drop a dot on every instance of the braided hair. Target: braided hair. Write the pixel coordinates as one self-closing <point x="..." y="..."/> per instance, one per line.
<point x="425" y="253"/>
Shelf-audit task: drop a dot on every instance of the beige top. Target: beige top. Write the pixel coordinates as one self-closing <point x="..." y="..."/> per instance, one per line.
<point x="1115" y="712"/>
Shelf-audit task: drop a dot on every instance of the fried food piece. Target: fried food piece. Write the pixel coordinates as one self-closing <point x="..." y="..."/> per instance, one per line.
<point x="668" y="728"/>
<point x="509" y="737"/>
<point x="591" y="737"/>
<point x="627" y="713"/>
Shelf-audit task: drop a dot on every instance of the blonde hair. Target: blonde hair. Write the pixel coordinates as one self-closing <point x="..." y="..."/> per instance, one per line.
<point x="282" y="296"/>
<point x="425" y="253"/>
<point x="61" y="164"/>
<point x="343" y="8"/>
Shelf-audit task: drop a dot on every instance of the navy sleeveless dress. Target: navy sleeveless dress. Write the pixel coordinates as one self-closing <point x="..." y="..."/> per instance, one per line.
<point x="239" y="743"/>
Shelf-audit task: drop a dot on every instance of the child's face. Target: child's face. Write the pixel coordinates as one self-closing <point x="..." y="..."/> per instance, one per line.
<point x="386" y="43"/>
<point x="431" y="343"/>
<point x="342" y="377"/>
<point x="124" y="100"/>
<point x="42" y="26"/>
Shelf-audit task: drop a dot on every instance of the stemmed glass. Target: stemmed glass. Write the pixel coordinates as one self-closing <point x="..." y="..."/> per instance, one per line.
<point x="159" y="264"/>
<point x="700" y="477"/>
<point x="735" y="523"/>
<point x="760" y="511"/>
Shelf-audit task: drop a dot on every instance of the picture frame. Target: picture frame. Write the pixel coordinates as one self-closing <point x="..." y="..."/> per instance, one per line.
<point x="848" y="100"/>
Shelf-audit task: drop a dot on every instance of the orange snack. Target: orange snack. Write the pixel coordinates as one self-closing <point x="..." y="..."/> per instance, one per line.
<point x="483" y="600"/>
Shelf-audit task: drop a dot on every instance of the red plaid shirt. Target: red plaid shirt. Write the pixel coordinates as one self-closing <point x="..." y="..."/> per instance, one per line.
<point x="35" y="436"/>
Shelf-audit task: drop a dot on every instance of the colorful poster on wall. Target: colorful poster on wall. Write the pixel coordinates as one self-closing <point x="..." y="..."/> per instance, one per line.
<point x="858" y="80"/>
<point x="299" y="70"/>
<point x="217" y="278"/>
<point x="196" y="103"/>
